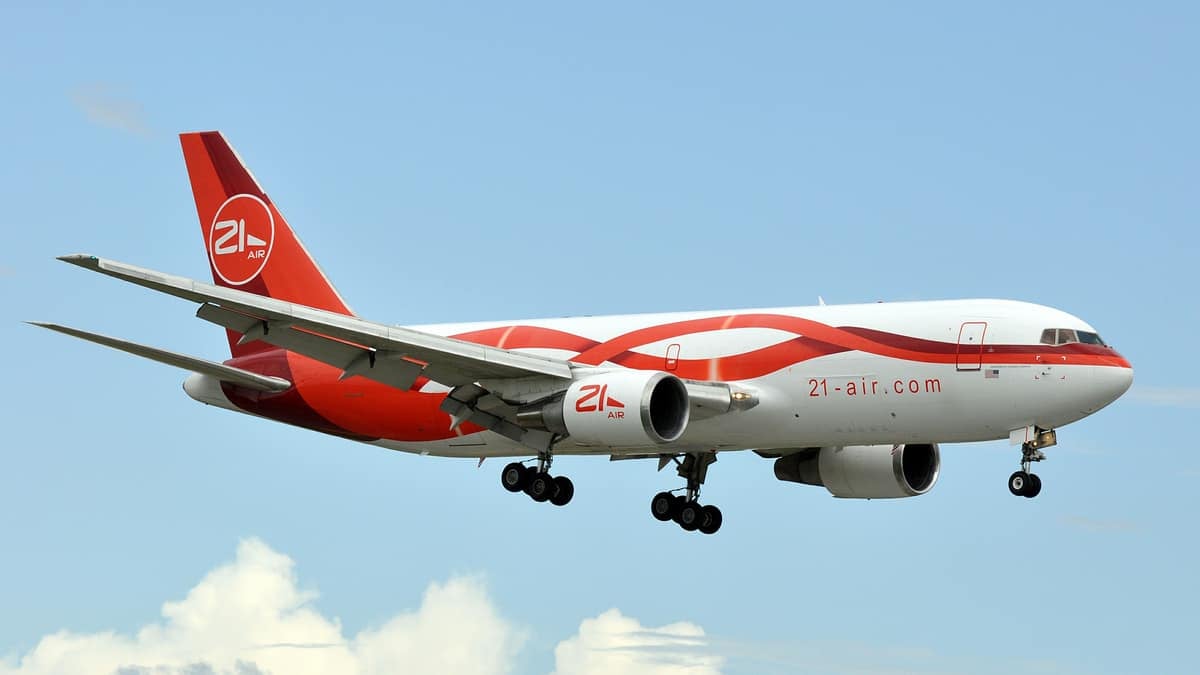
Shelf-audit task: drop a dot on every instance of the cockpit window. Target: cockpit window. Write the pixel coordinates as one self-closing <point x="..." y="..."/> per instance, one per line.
<point x="1066" y="336"/>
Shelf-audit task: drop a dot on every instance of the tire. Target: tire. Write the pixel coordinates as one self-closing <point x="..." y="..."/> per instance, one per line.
<point x="541" y="487"/>
<point x="662" y="507"/>
<point x="1018" y="483"/>
<point x="564" y="491"/>
<point x="514" y="477"/>
<point x="1034" y="487"/>
<point x="677" y="506"/>
<point x="710" y="519"/>
<point x="690" y="516"/>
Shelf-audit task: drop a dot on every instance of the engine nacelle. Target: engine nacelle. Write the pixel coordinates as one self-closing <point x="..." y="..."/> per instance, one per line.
<point x="621" y="409"/>
<point x="865" y="471"/>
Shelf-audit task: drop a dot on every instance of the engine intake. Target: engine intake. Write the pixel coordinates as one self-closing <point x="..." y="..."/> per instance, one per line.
<point x="865" y="471"/>
<point x="618" y="409"/>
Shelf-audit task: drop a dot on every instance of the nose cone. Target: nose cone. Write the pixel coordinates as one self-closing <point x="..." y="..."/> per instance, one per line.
<point x="1108" y="384"/>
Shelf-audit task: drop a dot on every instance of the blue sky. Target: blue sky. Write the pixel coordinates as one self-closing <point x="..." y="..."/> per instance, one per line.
<point x="482" y="162"/>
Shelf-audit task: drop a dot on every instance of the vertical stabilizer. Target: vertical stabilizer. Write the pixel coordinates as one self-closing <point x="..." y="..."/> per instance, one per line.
<point x="249" y="244"/>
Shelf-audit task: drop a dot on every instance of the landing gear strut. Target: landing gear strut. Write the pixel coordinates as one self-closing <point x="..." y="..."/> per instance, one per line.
<point x="1023" y="483"/>
<point x="685" y="509"/>
<point x="537" y="481"/>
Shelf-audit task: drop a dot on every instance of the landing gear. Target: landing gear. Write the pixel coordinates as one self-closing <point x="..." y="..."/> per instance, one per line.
<point x="537" y="482"/>
<point x="564" y="490"/>
<point x="514" y="477"/>
<point x="1023" y="483"/>
<point x="664" y="506"/>
<point x="685" y="509"/>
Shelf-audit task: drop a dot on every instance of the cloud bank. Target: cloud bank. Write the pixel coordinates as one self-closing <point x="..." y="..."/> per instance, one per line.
<point x="249" y="617"/>
<point x="614" y="643"/>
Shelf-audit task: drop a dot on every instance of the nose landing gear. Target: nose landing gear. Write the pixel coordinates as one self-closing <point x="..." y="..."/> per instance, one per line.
<point x="1023" y="483"/>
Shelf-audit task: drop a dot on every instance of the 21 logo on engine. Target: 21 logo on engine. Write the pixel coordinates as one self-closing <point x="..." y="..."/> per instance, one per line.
<point x="595" y="398"/>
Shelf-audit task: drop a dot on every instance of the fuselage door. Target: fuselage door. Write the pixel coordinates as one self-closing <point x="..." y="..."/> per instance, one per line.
<point x="970" y="345"/>
<point x="672" y="361"/>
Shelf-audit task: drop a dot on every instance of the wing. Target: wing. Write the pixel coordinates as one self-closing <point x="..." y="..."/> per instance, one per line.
<point x="390" y="354"/>
<point x="238" y="376"/>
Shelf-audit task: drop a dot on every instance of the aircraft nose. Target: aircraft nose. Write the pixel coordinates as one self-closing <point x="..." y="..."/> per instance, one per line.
<point x="1109" y="383"/>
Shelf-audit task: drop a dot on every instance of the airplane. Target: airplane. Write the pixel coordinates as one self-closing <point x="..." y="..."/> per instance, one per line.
<point x="854" y="398"/>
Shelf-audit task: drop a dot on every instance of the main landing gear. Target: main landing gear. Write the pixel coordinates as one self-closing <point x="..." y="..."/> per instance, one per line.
<point x="685" y="509"/>
<point x="537" y="482"/>
<point x="1023" y="483"/>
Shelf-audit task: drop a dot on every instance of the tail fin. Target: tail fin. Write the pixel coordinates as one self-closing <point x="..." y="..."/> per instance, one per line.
<point x="250" y="246"/>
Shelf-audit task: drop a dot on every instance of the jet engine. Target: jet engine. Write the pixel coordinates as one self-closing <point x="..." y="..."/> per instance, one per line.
<point x="865" y="471"/>
<point x="617" y="409"/>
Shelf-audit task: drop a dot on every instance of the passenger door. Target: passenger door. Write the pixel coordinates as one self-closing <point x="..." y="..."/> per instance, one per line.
<point x="970" y="345"/>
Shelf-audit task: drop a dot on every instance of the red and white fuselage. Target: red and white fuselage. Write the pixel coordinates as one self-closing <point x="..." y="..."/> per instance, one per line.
<point x="853" y="397"/>
<point x="906" y="372"/>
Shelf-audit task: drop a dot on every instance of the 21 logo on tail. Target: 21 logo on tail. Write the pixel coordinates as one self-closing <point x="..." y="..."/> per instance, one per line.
<point x="237" y="228"/>
<point x="241" y="238"/>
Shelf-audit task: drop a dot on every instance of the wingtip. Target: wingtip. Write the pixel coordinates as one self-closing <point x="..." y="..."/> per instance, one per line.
<point x="48" y="325"/>
<point x="80" y="259"/>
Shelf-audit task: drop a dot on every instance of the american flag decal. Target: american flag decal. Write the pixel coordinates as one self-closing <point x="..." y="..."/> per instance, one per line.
<point x="991" y="373"/>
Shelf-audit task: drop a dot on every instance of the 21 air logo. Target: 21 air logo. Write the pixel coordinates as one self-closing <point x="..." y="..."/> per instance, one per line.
<point x="595" y="398"/>
<point x="240" y="239"/>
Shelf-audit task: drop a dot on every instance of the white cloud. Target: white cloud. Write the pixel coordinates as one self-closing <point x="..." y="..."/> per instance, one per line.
<point x="615" y="643"/>
<point x="103" y="106"/>
<point x="1177" y="397"/>
<point x="250" y="617"/>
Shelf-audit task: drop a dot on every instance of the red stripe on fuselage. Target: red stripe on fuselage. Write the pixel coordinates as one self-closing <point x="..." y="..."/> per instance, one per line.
<point x="367" y="410"/>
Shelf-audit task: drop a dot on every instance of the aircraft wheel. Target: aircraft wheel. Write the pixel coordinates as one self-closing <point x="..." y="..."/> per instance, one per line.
<point x="1018" y="483"/>
<point x="1034" y="487"/>
<point x="662" y="506"/>
<point x="690" y="517"/>
<point x="564" y="490"/>
<point x="514" y="477"/>
<point x="676" y="506"/>
<point x="541" y="487"/>
<point x="710" y="519"/>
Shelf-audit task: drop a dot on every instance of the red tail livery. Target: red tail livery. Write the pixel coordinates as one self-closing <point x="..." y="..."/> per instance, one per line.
<point x="250" y="246"/>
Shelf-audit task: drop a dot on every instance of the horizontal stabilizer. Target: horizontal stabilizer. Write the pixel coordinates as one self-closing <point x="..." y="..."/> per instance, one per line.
<point x="238" y="376"/>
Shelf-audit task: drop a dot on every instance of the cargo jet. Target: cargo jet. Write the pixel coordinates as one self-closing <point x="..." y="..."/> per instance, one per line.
<point x="854" y="398"/>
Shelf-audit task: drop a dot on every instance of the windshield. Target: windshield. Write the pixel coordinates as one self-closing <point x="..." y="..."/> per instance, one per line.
<point x="1066" y="336"/>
